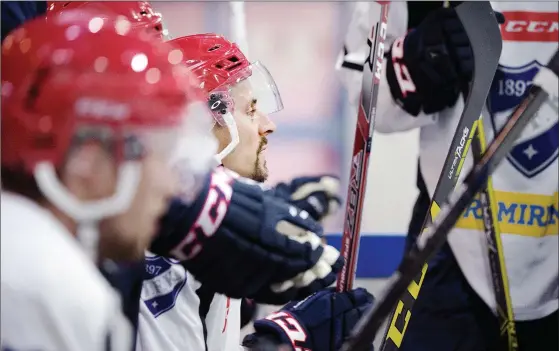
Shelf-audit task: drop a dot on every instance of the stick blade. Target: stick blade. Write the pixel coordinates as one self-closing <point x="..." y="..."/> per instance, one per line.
<point x="482" y="29"/>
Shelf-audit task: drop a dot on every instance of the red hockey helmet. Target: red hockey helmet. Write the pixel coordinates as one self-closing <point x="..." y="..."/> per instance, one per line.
<point x="81" y="75"/>
<point x="219" y="65"/>
<point x="140" y="13"/>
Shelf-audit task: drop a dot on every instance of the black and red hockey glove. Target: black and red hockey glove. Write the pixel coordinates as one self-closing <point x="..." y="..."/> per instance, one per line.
<point x="427" y="67"/>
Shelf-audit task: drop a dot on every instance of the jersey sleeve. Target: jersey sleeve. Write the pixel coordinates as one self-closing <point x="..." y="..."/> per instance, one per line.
<point x="390" y="116"/>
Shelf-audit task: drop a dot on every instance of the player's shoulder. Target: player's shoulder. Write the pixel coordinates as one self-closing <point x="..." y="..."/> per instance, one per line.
<point x="43" y="263"/>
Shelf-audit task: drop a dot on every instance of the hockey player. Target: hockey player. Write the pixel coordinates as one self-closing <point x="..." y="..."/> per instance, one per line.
<point x="428" y="62"/>
<point x="241" y="95"/>
<point x="185" y="235"/>
<point x="87" y="136"/>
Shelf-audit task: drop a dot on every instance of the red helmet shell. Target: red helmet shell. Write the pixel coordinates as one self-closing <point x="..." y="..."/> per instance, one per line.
<point x="84" y="68"/>
<point x="214" y="60"/>
<point x="140" y="13"/>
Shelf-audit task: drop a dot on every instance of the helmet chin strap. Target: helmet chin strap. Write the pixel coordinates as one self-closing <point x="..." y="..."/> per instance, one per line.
<point x="233" y="132"/>
<point x="88" y="214"/>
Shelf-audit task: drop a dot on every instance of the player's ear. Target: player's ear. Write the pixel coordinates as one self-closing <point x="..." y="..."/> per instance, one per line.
<point x="222" y="135"/>
<point x="89" y="172"/>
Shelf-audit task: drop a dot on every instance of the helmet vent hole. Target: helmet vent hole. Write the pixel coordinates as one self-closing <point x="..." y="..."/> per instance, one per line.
<point x="232" y="67"/>
<point x="226" y="65"/>
<point x="214" y="48"/>
<point x="233" y="59"/>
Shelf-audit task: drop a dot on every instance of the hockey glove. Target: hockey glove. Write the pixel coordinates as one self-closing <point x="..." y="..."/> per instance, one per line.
<point x="307" y="324"/>
<point x="242" y="243"/>
<point x="427" y="67"/>
<point x="318" y="195"/>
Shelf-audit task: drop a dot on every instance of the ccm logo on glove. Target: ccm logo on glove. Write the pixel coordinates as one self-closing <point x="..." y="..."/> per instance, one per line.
<point x="403" y="75"/>
<point x="211" y="216"/>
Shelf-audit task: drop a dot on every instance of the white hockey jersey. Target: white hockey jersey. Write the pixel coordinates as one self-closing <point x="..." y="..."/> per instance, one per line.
<point x="526" y="183"/>
<point x="170" y="313"/>
<point x="53" y="296"/>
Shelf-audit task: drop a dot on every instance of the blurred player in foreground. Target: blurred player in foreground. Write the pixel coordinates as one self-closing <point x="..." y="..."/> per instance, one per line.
<point x="241" y="96"/>
<point x="87" y="135"/>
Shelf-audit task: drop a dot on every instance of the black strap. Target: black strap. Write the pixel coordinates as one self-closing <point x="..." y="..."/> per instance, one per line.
<point x="206" y="296"/>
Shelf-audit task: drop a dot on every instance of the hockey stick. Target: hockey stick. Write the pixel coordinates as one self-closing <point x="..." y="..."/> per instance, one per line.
<point x="545" y="85"/>
<point x="497" y="265"/>
<point x="483" y="32"/>
<point x="362" y="145"/>
<point x="495" y="249"/>
<point x="238" y="25"/>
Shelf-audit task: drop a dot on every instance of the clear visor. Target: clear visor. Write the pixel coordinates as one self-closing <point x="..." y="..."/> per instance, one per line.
<point x="256" y="82"/>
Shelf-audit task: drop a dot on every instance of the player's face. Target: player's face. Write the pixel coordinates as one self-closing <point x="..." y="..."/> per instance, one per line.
<point x="249" y="157"/>
<point x="91" y="174"/>
<point x="128" y="235"/>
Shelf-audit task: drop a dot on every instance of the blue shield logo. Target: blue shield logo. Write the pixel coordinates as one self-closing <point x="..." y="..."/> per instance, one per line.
<point x="163" y="280"/>
<point x="539" y="145"/>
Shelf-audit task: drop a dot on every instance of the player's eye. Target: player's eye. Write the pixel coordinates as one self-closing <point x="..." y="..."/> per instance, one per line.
<point x="252" y="108"/>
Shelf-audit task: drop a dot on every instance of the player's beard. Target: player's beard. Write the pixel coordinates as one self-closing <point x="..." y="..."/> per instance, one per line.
<point x="260" y="173"/>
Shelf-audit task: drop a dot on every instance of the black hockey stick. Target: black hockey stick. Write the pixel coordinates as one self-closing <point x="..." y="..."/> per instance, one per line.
<point x="495" y="250"/>
<point x="483" y="32"/>
<point x="545" y="84"/>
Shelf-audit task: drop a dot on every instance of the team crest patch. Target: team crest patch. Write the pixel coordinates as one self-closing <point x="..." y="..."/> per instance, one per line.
<point x="538" y="146"/>
<point x="163" y="280"/>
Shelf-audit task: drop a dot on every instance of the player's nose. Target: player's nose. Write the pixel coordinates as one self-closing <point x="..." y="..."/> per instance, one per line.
<point x="266" y="125"/>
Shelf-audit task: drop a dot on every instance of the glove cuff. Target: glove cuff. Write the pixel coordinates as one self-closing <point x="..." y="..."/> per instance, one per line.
<point x="286" y="327"/>
<point x="260" y="342"/>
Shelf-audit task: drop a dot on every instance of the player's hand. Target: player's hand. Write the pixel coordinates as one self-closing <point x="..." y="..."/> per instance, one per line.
<point x="307" y="325"/>
<point x="427" y="67"/>
<point x="242" y="243"/>
<point x="318" y="195"/>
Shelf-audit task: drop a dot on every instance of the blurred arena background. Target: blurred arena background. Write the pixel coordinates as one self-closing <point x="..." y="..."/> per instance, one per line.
<point x="299" y="42"/>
